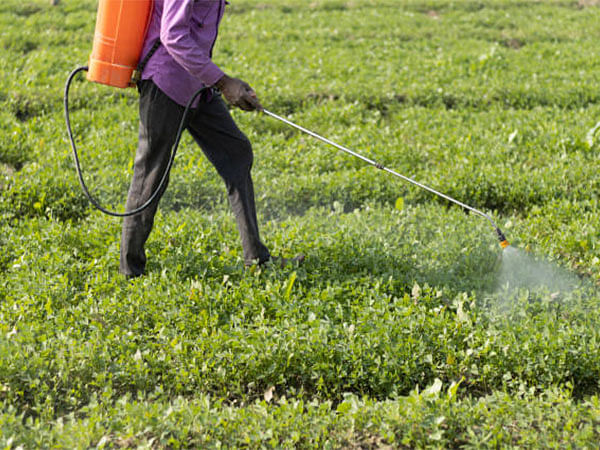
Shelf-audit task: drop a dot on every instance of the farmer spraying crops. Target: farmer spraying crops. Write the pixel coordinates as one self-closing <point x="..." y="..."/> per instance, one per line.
<point x="176" y="76"/>
<point x="176" y="63"/>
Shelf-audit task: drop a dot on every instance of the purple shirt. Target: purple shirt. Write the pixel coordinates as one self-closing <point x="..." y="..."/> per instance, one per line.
<point x="187" y="30"/>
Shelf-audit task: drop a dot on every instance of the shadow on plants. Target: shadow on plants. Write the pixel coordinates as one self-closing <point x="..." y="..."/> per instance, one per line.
<point x="453" y="272"/>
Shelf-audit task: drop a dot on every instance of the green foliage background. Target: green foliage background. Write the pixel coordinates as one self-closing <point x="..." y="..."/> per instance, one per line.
<point x="395" y="331"/>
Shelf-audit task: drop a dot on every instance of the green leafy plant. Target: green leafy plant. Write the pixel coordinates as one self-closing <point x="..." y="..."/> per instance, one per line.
<point x="397" y="330"/>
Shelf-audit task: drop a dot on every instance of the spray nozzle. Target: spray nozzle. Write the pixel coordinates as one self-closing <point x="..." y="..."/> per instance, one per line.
<point x="503" y="241"/>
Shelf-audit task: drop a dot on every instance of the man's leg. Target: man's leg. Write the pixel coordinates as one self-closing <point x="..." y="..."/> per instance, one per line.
<point x="230" y="151"/>
<point x="159" y="121"/>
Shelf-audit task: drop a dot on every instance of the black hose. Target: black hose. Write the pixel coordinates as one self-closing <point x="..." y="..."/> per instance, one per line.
<point x="165" y="176"/>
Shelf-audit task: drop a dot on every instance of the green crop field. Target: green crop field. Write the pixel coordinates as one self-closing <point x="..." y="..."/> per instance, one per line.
<point x="406" y="327"/>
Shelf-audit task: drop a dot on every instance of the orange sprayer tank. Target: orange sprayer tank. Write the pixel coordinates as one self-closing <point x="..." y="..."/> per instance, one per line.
<point x="121" y="27"/>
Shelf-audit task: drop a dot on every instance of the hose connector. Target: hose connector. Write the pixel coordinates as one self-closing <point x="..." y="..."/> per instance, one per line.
<point x="503" y="241"/>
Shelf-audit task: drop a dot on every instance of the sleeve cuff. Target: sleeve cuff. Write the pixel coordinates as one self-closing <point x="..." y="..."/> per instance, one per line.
<point x="212" y="74"/>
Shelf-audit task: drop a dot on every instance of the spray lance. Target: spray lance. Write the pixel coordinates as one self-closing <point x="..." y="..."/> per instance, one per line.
<point x="503" y="241"/>
<point x="121" y="28"/>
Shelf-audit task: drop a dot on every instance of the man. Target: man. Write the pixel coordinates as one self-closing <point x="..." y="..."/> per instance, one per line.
<point x="177" y="55"/>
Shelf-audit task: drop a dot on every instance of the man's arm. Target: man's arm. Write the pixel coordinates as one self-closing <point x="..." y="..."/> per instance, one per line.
<point x="175" y="35"/>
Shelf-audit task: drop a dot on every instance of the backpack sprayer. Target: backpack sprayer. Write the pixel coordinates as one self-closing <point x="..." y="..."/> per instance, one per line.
<point x="121" y="28"/>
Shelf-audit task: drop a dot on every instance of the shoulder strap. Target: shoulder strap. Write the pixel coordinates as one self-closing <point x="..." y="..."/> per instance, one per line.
<point x="137" y="73"/>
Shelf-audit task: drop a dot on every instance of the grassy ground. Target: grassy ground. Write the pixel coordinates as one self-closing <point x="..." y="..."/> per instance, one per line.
<point x="399" y="330"/>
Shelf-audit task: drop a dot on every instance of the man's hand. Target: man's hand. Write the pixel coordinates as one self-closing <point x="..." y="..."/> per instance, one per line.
<point x="238" y="93"/>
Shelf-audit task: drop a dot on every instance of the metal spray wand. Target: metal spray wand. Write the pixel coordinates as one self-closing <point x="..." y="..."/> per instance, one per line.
<point x="503" y="241"/>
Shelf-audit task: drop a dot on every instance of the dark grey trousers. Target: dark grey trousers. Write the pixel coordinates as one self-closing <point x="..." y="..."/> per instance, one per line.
<point x="225" y="146"/>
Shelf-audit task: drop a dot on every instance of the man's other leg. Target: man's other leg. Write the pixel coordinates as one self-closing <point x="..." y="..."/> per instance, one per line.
<point x="159" y="121"/>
